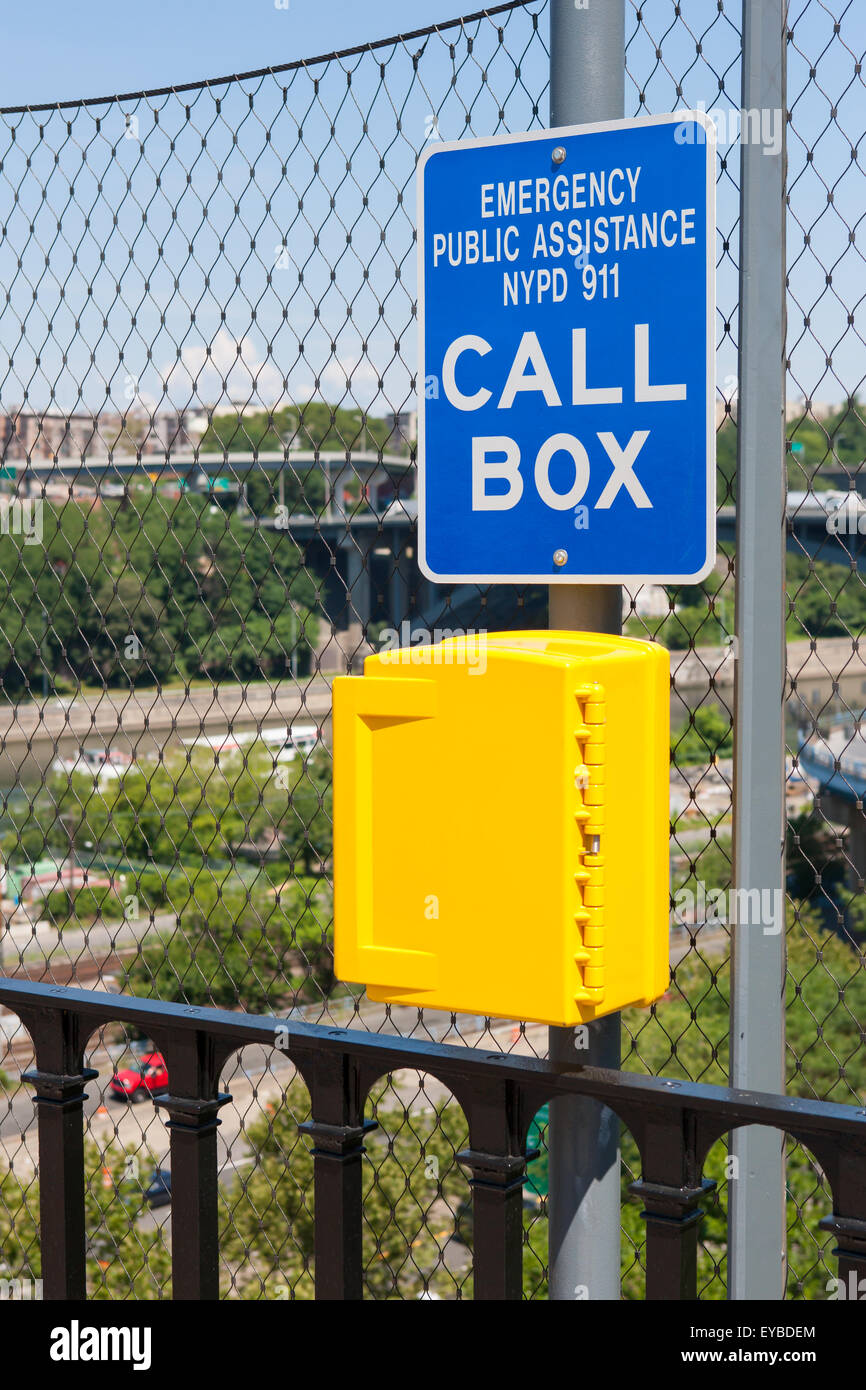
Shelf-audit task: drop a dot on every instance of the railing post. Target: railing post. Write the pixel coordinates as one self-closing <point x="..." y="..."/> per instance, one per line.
<point x="845" y="1165"/>
<point x="59" y="1078"/>
<point x="850" y="1250"/>
<point x="338" y="1151"/>
<point x="757" y="1206"/>
<point x="497" y="1224"/>
<point x="337" y="1128"/>
<point x="499" y="1117"/>
<point x="587" y="83"/>
<point x="192" y="1125"/>
<point x="673" y="1217"/>
<point x="194" y="1062"/>
<point x="670" y="1188"/>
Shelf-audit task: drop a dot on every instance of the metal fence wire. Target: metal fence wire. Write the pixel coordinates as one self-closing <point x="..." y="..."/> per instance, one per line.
<point x="207" y="386"/>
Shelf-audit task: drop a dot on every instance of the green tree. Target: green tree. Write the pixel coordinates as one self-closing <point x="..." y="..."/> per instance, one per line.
<point x="415" y="1205"/>
<point x="121" y="595"/>
<point x="232" y="947"/>
<point x="824" y="600"/>
<point x="708" y="735"/>
<point x="127" y="1258"/>
<point x="839" y="439"/>
<point x="131" y="646"/>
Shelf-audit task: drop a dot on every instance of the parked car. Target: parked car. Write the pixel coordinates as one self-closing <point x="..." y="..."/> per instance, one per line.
<point x="146" y="1078"/>
<point x="158" y="1191"/>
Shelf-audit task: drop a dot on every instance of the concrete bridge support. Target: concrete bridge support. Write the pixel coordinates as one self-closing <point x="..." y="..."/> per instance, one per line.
<point x="842" y="811"/>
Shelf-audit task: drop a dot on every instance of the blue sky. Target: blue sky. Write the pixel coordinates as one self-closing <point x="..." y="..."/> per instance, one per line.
<point x="61" y="51"/>
<point x="58" y="49"/>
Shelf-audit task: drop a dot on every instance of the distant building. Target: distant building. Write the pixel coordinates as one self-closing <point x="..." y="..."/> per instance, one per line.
<point x="151" y="435"/>
<point x="174" y="429"/>
<point x="46" y="434"/>
<point x="27" y="435"/>
<point x="403" y="429"/>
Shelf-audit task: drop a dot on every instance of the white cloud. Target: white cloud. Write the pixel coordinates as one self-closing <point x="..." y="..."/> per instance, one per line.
<point x="233" y="371"/>
<point x="354" y="378"/>
<point x="227" y="370"/>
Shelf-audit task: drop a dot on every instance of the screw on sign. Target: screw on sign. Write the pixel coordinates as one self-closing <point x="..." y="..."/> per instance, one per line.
<point x="567" y="301"/>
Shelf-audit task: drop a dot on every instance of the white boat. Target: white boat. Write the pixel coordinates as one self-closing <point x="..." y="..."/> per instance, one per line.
<point x="302" y="739"/>
<point x="103" y="764"/>
<point x="283" y="742"/>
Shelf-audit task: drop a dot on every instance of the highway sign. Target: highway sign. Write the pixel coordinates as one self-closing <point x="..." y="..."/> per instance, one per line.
<point x="566" y="304"/>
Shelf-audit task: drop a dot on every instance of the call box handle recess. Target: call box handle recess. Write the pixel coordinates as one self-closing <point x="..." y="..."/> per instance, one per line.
<point x="373" y="703"/>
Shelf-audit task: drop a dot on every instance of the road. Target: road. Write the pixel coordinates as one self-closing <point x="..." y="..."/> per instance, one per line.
<point x="27" y="943"/>
<point x="144" y="721"/>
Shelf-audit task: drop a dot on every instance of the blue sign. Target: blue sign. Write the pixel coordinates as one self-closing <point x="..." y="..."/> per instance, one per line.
<point x="566" y="417"/>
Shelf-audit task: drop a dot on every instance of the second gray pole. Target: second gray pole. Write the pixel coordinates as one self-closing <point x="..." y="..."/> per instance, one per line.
<point x="756" y="1210"/>
<point x="587" y="83"/>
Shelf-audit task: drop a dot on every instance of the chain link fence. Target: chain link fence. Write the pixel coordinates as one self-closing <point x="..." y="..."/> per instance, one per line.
<point x="207" y="386"/>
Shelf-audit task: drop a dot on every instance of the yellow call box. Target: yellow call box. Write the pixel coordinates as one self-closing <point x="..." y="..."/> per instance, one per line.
<point x="501" y="825"/>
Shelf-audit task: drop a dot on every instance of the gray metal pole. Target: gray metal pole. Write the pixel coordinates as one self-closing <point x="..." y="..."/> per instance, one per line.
<point x="587" y="83"/>
<point x="757" y="1202"/>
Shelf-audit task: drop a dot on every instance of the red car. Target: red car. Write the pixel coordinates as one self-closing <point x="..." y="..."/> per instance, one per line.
<point x="148" y="1078"/>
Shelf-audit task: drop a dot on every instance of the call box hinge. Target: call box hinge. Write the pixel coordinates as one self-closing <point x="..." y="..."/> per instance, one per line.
<point x="589" y="781"/>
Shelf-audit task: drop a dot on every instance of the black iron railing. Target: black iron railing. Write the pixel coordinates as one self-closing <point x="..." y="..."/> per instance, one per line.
<point x="674" y="1124"/>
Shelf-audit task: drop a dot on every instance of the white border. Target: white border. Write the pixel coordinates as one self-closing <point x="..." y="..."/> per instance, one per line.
<point x="638" y="577"/>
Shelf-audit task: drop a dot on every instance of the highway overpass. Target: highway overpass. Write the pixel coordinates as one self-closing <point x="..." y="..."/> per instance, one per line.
<point x="836" y="760"/>
<point x="823" y="525"/>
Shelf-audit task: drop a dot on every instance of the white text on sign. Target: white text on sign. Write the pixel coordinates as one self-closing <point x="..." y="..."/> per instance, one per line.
<point x="577" y="238"/>
<point x="496" y="458"/>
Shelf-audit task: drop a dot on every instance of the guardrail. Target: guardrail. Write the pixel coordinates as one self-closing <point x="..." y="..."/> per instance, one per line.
<point x="674" y="1124"/>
